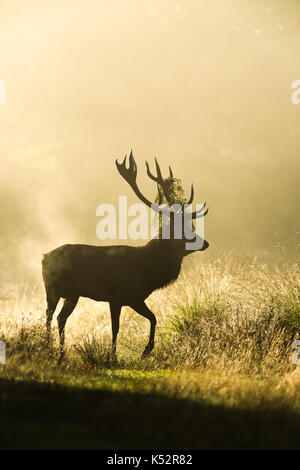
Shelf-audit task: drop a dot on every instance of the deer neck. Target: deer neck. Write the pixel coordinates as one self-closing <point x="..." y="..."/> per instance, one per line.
<point x="164" y="261"/>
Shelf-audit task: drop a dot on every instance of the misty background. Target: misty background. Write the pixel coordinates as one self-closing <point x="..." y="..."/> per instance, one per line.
<point x="203" y="86"/>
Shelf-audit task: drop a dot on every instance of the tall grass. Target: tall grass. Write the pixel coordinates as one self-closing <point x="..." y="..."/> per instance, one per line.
<point x="234" y="314"/>
<point x="227" y="314"/>
<point x="221" y="374"/>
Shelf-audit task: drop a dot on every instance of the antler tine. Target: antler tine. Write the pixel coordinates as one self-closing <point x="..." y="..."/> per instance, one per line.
<point x="197" y="214"/>
<point x="124" y="161"/>
<point x="132" y="163"/>
<point x="129" y="174"/>
<point x="171" y="173"/>
<point x="204" y="214"/>
<point x="159" y="195"/>
<point x="192" y="195"/>
<point x="121" y="166"/>
<point x="158" y="179"/>
<point x="148" y="171"/>
<point x="159" y="175"/>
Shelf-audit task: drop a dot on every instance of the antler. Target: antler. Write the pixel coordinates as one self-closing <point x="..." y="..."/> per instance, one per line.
<point x="192" y="195"/>
<point x="159" y="179"/>
<point x="129" y="174"/>
<point x="197" y="214"/>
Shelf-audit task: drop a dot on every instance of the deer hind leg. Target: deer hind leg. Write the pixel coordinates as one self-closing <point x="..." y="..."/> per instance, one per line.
<point x="115" y="311"/>
<point x="52" y="301"/>
<point x="68" y="307"/>
<point x="143" y="310"/>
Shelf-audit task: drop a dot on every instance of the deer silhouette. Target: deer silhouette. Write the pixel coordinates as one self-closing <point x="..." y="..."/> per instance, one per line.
<point x="121" y="275"/>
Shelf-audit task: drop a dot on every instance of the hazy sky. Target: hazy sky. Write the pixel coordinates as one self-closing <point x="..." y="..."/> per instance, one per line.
<point x="204" y="86"/>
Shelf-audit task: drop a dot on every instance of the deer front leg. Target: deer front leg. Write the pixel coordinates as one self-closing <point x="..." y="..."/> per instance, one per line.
<point x="143" y="310"/>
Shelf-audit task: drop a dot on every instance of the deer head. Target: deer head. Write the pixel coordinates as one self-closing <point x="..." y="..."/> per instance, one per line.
<point x="175" y="215"/>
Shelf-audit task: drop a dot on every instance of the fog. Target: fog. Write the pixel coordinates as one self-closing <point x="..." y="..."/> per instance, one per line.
<point x="203" y="86"/>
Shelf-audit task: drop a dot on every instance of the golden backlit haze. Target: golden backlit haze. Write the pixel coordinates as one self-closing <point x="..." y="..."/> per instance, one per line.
<point x="204" y="86"/>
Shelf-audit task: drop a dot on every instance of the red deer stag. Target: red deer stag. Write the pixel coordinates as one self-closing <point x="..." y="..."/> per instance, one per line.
<point x="121" y="275"/>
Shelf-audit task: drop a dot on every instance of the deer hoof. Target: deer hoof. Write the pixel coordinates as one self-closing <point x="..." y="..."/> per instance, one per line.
<point x="146" y="351"/>
<point x="113" y="360"/>
<point x="61" y="358"/>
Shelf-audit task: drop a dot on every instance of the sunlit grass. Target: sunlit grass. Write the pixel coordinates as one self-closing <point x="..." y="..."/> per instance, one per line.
<point x="229" y="312"/>
<point x="224" y="335"/>
<point x="227" y="316"/>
